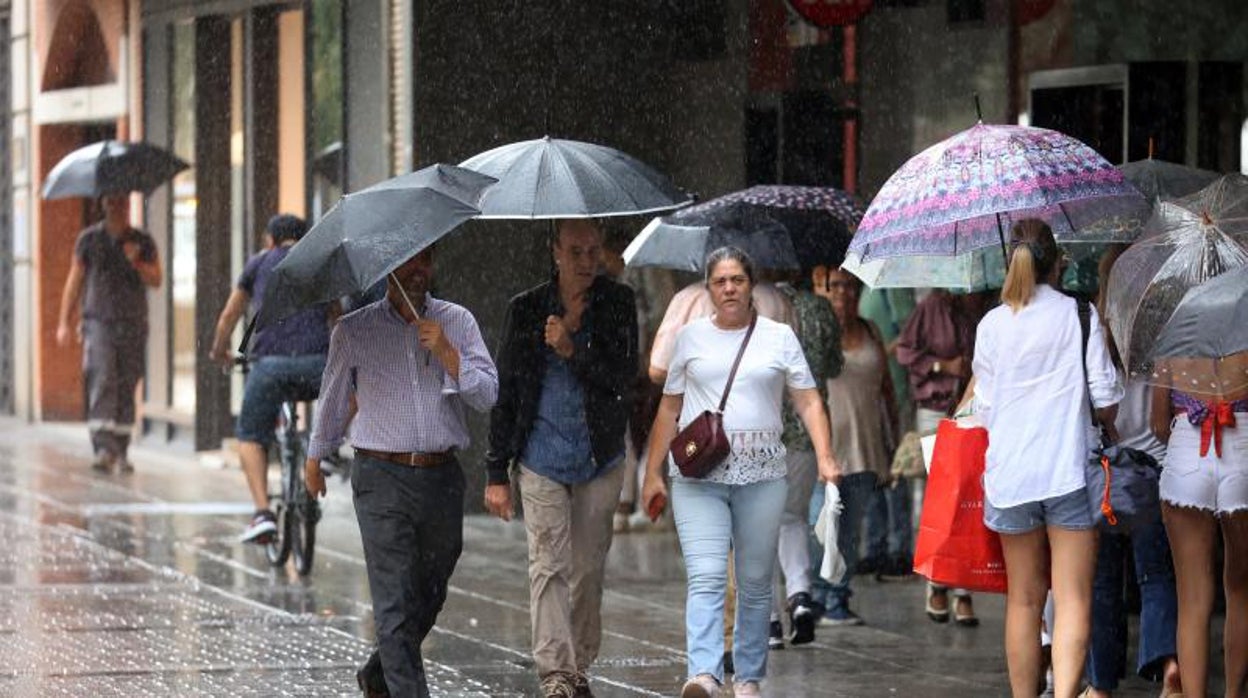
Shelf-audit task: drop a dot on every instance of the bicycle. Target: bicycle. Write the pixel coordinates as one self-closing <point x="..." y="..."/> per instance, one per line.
<point x="297" y="513"/>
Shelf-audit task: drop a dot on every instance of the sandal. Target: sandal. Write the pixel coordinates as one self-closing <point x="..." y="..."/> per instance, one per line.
<point x="938" y="615"/>
<point x="966" y="620"/>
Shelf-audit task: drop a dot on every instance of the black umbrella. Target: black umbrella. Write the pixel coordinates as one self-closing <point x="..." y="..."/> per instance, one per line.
<point x="820" y="221"/>
<point x="553" y="178"/>
<point x="672" y="246"/>
<point x="111" y="167"/>
<point x="369" y="233"/>
<point x="1158" y="179"/>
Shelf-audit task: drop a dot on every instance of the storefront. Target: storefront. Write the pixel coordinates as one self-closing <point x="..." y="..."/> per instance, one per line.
<point x="247" y="91"/>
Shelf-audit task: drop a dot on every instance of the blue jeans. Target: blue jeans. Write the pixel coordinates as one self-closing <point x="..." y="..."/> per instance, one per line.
<point x="889" y="532"/>
<point x="271" y="381"/>
<point x="857" y="494"/>
<point x="712" y="519"/>
<point x="1154" y="570"/>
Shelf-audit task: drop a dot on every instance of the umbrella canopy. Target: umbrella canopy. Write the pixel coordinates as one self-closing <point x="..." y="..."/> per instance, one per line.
<point x="553" y="178"/>
<point x="964" y="192"/>
<point x="369" y="233"/>
<point x="1203" y="348"/>
<point x="1158" y="179"/>
<point x="978" y="270"/>
<point x="820" y="221"/>
<point x="1187" y="242"/>
<point x="664" y="244"/>
<point x="111" y="167"/>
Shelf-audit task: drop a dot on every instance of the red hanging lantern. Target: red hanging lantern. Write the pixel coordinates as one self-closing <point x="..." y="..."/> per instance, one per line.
<point x="826" y="14"/>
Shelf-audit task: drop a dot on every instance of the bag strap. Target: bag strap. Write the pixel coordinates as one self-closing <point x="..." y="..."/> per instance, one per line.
<point x="723" y="402"/>
<point x="1085" y="330"/>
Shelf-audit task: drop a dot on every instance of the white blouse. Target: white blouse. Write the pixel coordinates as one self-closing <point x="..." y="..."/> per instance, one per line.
<point x="773" y="361"/>
<point x="1029" y="391"/>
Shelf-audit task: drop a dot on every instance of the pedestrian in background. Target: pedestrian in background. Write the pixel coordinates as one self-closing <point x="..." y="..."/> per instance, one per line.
<point x="863" y="412"/>
<point x="412" y="363"/>
<point x="819" y="334"/>
<point x="286" y="358"/>
<point x="1154" y="569"/>
<point x="567" y="366"/>
<point x="738" y="505"/>
<point x="1030" y="392"/>
<point x="936" y="348"/>
<point x="112" y="267"/>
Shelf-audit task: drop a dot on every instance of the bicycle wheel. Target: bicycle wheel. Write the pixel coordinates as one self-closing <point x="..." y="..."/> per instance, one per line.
<point x="304" y="513"/>
<point x="277" y="550"/>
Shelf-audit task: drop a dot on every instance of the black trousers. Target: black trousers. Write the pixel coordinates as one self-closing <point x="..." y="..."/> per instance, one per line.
<point x="412" y="525"/>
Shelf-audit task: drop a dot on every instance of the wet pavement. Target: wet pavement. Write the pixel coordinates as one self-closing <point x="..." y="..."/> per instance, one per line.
<point x="136" y="585"/>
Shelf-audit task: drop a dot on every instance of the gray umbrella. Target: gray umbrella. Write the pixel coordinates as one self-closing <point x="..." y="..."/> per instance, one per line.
<point x="673" y="246"/>
<point x="1203" y="348"/>
<point x="553" y="178"/>
<point x="1158" y="179"/>
<point x="369" y="233"/>
<point x="111" y="167"/>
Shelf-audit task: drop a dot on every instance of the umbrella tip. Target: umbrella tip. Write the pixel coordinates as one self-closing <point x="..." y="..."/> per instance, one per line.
<point x="979" y="113"/>
<point x="1205" y="218"/>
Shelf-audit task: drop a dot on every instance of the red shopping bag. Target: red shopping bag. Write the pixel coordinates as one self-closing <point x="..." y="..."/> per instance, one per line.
<point x="954" y="547"/>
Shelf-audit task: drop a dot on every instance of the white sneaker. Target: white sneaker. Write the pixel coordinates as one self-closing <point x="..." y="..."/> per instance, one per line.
<point x="620" y="522"/>
<point x="700" y="686"/>
<point x="746" y="689"/>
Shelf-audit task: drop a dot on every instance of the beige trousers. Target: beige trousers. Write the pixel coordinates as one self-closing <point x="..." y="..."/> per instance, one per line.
<point x="569" y="532"/>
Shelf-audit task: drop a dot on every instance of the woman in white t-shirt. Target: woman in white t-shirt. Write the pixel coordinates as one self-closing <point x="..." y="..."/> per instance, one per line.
<point x="1029" y="390"/>
<point x="738" y="505"/>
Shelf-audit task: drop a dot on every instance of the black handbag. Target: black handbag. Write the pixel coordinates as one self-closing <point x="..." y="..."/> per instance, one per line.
<point x="1122" y="483"/>
<point x="702" y="444"/>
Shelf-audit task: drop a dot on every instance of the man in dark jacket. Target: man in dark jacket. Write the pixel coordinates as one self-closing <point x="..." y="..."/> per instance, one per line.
<point x="566" y="366"/>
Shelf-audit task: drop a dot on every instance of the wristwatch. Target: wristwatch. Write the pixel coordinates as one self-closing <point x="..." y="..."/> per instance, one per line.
<point x="936" y="367"/>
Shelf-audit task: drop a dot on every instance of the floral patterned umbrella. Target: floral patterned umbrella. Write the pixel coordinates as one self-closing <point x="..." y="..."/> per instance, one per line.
<point x="963" y="193"/>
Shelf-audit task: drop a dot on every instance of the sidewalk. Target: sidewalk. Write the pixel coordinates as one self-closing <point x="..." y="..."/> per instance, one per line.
<point x="135" y="585"/>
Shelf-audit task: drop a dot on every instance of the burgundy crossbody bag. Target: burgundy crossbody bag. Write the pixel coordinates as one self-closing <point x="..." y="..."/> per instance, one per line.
<point x="702" y="444"/>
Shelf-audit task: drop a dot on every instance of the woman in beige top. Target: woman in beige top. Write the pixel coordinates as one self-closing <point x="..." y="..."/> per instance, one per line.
<point x="860" y="432"/>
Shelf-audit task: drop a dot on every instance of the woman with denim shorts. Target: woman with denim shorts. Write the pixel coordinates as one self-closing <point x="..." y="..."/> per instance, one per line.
<point x="1030" y="391"/>
<point x="1204" y="488"/>
<point x="739" y="503"/>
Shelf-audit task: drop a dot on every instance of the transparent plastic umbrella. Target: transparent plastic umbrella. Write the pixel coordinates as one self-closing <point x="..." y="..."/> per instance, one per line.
<point x="1187" y="242"/>
<point x="1203" y="349"/>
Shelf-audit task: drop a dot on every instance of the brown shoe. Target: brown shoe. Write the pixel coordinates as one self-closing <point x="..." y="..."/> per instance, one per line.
<point x="964" y="613"/>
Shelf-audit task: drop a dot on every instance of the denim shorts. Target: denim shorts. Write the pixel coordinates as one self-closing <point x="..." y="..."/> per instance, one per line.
<point x="1068" y="511"/>
<point x="271" y="381"/>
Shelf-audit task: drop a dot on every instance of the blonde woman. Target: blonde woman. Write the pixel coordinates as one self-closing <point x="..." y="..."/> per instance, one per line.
<point x="1030" y="390"/>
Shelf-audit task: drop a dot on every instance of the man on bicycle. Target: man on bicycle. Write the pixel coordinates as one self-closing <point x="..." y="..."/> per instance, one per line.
<point x="286" y="359"/>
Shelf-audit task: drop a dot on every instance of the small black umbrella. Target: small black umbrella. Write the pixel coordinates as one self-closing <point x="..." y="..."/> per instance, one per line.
<point x="672" y="246"/>
<point x="369" y="233"/>
<point x="553" y="178"/>
<point x="111" y="167"/>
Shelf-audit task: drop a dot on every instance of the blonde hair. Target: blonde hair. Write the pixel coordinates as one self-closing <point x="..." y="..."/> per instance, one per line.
<point x="1032" y="258"/>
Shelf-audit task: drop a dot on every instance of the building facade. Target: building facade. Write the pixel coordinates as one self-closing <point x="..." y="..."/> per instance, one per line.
<point x="280" y="106"/>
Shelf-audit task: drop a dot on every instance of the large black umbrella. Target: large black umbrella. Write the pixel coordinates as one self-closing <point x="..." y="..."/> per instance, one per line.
<point x="111" y="167"/>
<point x="665" y="244"/>
<point x="369" y="233"/>
<point x="1203" y="347"/>
<point x="553" y="178"/>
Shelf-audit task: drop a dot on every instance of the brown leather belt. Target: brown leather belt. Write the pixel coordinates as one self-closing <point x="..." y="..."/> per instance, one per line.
<point x="415" y="460"/>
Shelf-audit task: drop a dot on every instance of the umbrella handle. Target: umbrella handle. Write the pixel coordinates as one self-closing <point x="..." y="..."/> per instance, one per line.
<point x="406" y="299"/>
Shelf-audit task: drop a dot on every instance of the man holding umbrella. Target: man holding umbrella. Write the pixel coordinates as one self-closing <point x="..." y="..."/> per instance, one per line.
<point x="112" y="267"/>
<point x="567" y="363"/>
<point x="413" y="363"/>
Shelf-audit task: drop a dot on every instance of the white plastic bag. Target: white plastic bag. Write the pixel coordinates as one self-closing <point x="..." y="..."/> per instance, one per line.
<point x="833" y="566"/>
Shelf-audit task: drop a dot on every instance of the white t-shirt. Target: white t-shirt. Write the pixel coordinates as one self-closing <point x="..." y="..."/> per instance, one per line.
<point x="699" y="370"/>
<point x="1029" y="390"/>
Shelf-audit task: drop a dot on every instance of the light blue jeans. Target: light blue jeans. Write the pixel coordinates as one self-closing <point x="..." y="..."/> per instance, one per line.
<point x="711" y="520"/>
